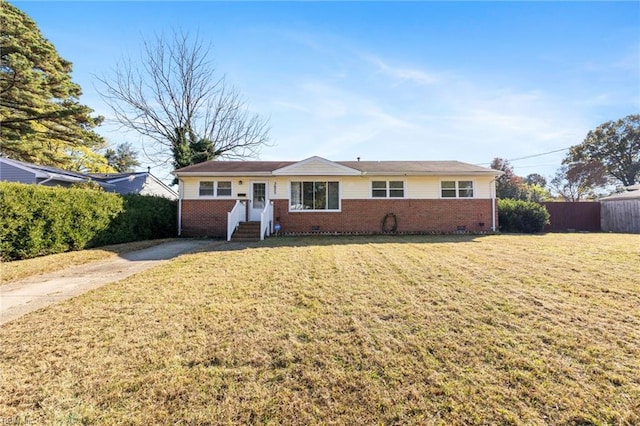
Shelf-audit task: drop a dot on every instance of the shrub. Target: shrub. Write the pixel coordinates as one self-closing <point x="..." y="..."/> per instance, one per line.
<point x="39" y="220"/>
<point x="521" y="216"/>
<point x="143" y="217"/>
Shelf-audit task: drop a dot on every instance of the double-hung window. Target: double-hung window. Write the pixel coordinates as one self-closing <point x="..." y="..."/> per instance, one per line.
<point x="223" y="189"/>
<point x="316" y="195"/>
<point x="215" y="188"/>
<point x="206" y="188"/>
<point x="456" y="189"/>
<point x="387" y="189"/>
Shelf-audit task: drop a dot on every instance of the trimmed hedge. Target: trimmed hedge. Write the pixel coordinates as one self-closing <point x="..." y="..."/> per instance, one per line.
<point x="522" y="216"/>
<point x="143" y="217"/>
<point x="40" y="220"/>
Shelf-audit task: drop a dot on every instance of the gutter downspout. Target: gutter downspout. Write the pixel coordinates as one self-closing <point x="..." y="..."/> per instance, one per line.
<point x="179" y="207"/>
<point x="493" y="204"/>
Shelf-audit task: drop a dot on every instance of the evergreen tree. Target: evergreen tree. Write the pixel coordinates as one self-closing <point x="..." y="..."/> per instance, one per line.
<point x="123" y="158"/>
<point x="41" y="118"/>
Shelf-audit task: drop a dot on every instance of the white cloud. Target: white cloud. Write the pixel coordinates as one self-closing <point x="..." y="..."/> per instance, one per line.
<point x="412" y="75"/>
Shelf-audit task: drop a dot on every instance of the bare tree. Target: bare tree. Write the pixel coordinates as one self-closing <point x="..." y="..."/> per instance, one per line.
<point x="185" y="113"/>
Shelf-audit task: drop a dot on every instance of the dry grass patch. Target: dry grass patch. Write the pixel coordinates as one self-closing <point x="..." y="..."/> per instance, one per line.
<point x="18" y="269"/>
<point x="411" y="330"/>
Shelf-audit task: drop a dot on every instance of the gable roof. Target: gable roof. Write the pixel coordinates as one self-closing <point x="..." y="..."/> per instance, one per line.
<point x="345" y="168"/>
<point x="316" y="166"/>
<point x="135" y="182"/>
<point x="122" y="183"/>
<point x="47" y="172"/>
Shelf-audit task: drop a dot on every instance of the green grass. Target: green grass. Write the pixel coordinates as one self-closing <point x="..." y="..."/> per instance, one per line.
<point x="369" y="330"/>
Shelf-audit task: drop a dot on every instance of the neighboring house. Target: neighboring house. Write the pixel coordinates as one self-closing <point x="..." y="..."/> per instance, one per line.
<point x="19" y="171"/>
<point x="621" y="212"/>
<point x="318" y="195"/>
<point x="143" y="183"/>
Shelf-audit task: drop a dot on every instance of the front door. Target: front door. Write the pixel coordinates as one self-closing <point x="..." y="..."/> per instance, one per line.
<point x="259" y="199"/>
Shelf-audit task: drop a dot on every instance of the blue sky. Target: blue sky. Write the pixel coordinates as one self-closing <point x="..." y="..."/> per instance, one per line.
<point x="464" y="81"/>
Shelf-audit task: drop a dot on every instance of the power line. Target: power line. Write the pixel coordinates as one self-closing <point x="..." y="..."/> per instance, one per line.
<point x="529" y="156"/>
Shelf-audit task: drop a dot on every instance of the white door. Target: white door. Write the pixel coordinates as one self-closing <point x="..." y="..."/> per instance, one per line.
<point x="259" y="199"/>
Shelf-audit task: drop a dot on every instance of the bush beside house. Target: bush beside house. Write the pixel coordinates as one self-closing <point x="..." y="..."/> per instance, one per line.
<point x="38" y="220"/>
<point x="143" y="217"/>
<point x="521" y="216"/>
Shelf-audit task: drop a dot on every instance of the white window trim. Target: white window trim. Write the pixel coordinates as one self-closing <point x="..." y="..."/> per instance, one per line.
<point x="388" y="189"/>
<point x="457" y="189"/>
<point x="339" y="210"/>
<point x="215" y="190"/>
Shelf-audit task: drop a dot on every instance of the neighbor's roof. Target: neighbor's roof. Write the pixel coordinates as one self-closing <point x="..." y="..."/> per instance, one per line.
<point x="113" y="176"/>
<point x="631" y="193"/>
<point x="365" y="167"/>
<point x="46" y="171"/>
<point x="131" y="182"/>
<point x="51" y="173"/>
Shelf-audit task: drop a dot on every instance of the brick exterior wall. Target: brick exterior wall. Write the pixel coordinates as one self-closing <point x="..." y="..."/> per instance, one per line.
<point x="209" y="217"/>
<point x="205" y="218"/>
<point x="412" y="216"/>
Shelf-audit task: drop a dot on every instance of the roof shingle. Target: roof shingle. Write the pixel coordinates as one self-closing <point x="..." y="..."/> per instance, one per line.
<point x="367" y="167"/>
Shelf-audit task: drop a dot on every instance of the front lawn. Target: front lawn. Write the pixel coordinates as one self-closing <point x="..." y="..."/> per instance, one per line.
<point x="370" y="330"/>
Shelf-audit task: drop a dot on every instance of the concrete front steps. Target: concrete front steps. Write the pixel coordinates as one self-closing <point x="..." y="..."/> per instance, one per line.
<point x="246" y="232"/>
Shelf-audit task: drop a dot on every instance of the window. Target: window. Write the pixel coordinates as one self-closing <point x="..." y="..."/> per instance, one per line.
<point x="456" y="189"/>
<point x="211" y="188"/>
<point x="396" y="189"/>
<point x="224" y="189"/>
<point x="314" y="196"/>
<point x="465" y="189"/>
<point x="384" y="189"/>
<point x="206" y="189"/>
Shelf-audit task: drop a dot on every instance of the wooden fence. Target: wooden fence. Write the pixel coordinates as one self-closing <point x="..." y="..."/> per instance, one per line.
<point x="573" y="216"/>
<point x="621" y="216"/>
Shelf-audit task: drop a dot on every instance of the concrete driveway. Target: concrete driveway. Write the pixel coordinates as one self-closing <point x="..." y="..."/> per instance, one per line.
<point x="21" y="297"/>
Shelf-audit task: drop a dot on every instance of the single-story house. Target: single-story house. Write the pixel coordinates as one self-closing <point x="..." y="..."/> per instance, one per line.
<point x="318" y="195"/>
<point x="621" y="212"/>
<point x="143" y="183"/>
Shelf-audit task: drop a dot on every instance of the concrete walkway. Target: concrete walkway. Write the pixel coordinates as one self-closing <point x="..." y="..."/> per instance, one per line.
<point x="21" y="297"/>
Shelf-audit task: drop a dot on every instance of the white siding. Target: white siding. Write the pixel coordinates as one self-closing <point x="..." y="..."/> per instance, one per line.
<point x="316" y="167"/>
<point x="191" y="186"/>
<point x="415" y="187"/>
<point x="356" y="187"/>
<point x="279" y="188"/>
<point x="351" y="187"/>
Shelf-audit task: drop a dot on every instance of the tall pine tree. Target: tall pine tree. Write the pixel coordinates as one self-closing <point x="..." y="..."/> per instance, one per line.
<point x="41" y="118"/>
